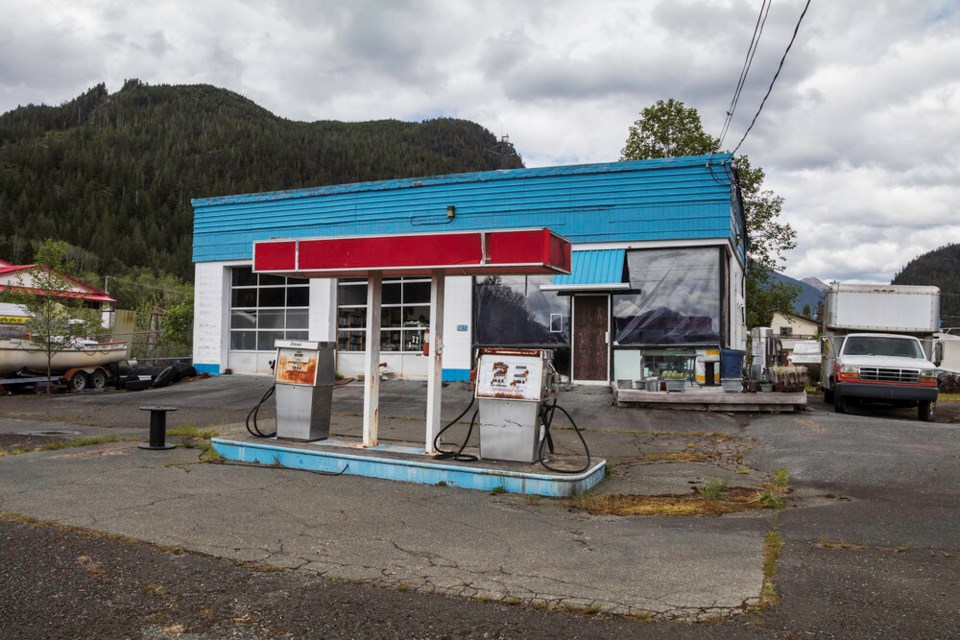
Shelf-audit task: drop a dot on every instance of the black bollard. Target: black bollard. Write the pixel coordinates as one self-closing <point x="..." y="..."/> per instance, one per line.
<point x="158" y="428"/>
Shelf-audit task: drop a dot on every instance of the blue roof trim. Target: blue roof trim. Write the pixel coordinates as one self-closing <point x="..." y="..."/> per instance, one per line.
<point x="705" y="161"/>
<point x="667" y="199"/>
<point x="594" y="267"/>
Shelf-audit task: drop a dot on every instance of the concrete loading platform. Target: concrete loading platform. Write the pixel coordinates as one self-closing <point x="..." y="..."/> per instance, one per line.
<point x="409" y="463"/>
<point x="711" y="398"/>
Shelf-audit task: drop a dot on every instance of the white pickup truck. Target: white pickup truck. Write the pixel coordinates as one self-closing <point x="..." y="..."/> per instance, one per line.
<point x="878" y="345"/>
<point x="880" y="367"/>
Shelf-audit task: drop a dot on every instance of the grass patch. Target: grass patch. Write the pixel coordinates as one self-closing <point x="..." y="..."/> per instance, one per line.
<point x="499" y="490"/>
<point x="191" y="431"/>
<point x="773" y="543"/>
<point x="735" y="499"/>
<point x="55" y="445"/>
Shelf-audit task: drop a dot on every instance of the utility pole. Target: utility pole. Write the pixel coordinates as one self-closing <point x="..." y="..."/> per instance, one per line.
<point x="504" y="150"/>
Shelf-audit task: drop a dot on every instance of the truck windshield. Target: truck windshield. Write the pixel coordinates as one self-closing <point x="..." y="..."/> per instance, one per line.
<point x="882" y="346"/>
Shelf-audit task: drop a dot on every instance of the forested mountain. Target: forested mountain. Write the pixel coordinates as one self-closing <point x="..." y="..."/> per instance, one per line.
<point x="939" y="268"/>
<point x="114" y="174"/>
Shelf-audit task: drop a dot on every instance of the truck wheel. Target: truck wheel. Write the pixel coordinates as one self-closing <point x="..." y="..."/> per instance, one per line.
<point x="926" y="410"/>
<point x="79" y="381"/>
<point x="839" y="403"/>
<point x="828" y="395"/>
<point x="98" y="379"/>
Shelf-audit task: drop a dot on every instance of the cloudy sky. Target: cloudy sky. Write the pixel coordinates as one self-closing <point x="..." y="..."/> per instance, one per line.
<point x="861" y="135"/>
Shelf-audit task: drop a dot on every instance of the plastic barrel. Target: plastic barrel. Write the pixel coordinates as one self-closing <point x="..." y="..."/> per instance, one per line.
<point x="731" y="363"/>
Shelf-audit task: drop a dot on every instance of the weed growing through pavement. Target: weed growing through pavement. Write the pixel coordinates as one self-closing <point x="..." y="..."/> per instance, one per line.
<point x="781" y="477"/>
<point x="715" y="488"/>
<point x="770" y="499"/>
<point x="499" y="490"/>
<point x="771" y="554"/>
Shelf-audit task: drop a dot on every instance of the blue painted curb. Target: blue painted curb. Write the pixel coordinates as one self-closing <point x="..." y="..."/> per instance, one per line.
<point x="426" y="471"/>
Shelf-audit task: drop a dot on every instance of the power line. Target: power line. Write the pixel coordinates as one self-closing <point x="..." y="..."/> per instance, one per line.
<point x="775" y="76"/>
<point x="747" y="63"/>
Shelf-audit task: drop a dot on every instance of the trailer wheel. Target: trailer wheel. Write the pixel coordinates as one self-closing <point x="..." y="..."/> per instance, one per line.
<point x="98" y="379"/>
<point x="79" y="381"/>
<point x="926" y="410"/>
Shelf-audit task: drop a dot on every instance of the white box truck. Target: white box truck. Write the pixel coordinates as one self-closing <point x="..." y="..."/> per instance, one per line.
<point x="878" y="346"/>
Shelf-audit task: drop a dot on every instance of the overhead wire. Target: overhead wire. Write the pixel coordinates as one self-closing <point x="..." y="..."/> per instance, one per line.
<point x="747" y="64"/>
<point x="796" y="29"/>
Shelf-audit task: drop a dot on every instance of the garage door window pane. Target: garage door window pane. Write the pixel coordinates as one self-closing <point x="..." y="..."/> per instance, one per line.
<point x="243" y="277"/>
<point x="266" y="340"/>
<point x="244" y="298"/>
<point x="297" y="319"/>
<point x="243" y="340"/>
<point x="243" y="319"/>
<point x="273" y="297"/>
<point x="267" y="280"/>
<point x="271" y="319"/>
<point x="298" y="296"/>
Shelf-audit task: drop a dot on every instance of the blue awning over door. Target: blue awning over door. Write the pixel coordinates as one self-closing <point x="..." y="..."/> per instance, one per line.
<point x="592" y="270"/>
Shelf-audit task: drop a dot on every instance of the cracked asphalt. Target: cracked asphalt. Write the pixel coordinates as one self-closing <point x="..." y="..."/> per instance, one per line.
<point x="115" y="541"/>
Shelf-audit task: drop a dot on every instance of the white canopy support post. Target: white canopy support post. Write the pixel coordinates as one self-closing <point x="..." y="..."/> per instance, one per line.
<point x="435" y="364"/>
<point x="371" y="362"/>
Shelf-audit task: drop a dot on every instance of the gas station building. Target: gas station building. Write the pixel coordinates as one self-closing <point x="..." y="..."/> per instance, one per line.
<point x="655" y="283"/>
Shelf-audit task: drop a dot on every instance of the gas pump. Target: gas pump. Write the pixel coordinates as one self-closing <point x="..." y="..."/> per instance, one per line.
<point x="513" y="387"/>
<point x="517" y="392"/>
<point x="304" y="379"/>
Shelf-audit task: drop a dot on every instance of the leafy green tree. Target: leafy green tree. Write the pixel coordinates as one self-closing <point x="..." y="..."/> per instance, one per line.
<point x="670" y="129"/>
<point x="177" y="326"/>
<point x="53" y="319"/>
<point x="667" y="130"/>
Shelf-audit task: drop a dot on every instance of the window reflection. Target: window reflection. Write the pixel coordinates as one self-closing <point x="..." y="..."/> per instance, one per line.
<point x="676" y="298"/>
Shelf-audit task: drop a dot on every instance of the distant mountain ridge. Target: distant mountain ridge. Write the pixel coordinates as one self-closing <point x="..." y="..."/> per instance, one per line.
<point x="805" y="304"/>
<point x="816" y="283"/>
<point x="939" y="268"/>
<point x="113" y="174"/>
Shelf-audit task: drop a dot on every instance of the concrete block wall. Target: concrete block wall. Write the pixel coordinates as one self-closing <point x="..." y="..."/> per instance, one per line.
<point x="211" y="316"/>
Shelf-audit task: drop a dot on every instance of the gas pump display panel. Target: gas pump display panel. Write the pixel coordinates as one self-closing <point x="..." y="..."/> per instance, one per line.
<point x="297" y="366"/>
<point x="511" y="376"/>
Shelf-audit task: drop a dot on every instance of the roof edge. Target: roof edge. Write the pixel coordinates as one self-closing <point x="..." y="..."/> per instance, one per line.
<point x="652" y="164"/>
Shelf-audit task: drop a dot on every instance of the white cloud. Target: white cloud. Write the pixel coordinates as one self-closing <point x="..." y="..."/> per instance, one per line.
<point x="860" y="135"/>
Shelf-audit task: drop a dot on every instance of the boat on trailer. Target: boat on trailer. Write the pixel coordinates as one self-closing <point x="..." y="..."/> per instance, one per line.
<point x="20" y="356"/>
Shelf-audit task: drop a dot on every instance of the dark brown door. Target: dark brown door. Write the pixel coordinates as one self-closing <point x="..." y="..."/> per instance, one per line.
<point x="590" y="322"/>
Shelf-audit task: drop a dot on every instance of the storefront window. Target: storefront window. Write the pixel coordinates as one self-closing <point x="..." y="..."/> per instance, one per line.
<point x="512" y="311"/>
<point x="265" y="308"/>
<point x="404" y="315"/>
<point x="675" y="298"/>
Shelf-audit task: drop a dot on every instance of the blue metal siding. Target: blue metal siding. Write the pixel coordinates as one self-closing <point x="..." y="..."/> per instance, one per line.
<point x="602" y="266"/>
<point x="664" y="199"/>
